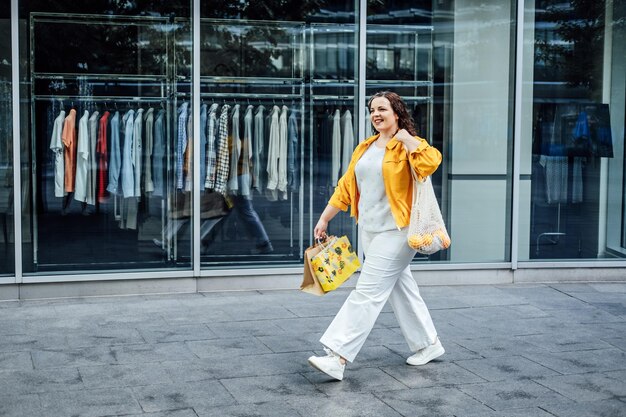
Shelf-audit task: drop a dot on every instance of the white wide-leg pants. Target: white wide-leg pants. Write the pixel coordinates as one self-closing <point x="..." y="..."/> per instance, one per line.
<point x="385" y="275"/>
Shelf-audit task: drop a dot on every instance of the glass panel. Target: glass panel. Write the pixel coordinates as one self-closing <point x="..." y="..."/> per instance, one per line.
<point x="572" y="181"/>
<point x="108" y="149"/>
<point x="439" y="56"/>
<point x="7" y="263"/>
<point x="277" y="84"/>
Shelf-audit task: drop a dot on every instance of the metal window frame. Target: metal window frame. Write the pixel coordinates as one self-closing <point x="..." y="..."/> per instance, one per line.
<point x="517" y="133"/>
<point x="17" y="162"/>
<point x="195" y="84"/>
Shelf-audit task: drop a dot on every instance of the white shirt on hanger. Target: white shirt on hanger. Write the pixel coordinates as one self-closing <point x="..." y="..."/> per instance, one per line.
<point x="335" y="165"/>
<point x="137" y="151"/>
<point x="245" y="183"/>
<point x="282" y="153"/>
<point x="273" y="148"/>
<point x="82" y="158"/>
<point x="347" y="132"/>
<point x="56" y="145"/>
<point x="259" y="138"/>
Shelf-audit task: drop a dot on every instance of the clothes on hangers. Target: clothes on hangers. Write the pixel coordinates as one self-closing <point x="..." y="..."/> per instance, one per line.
<point x="347" y="144"/>
<point x="272" y="154"/>
<point x="181" y="143"/>
<point x="293" y="152"/>
<point x="137" y="151"/>
<point x="148" y="150"/>
<point x="158" y="157"/>
<point x="211" y="155"/>
<point x="128" y="172"/>
<point x="91" y="167"/>
<point x="235" y="150"/>
<point x="369" y="129"/>
<point x="282" y="154"/>
<point x="56" y="145"/>
<point x="82" y="159"/>
<point x="126" y="157"/>
<point x="69" y="138"/>
<point x="103" y="154"/>
<point x="115" y="161"/>
<point x="245" y="183"/>
<point x="557" y="177"/>
<point x="121" y="167"/>
<point x="221" y="178"/>
<point x="259" y="149"/>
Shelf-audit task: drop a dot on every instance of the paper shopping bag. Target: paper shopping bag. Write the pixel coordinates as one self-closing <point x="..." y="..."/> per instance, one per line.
<point x="310" y="283"/>
<point x="335" y="263"/>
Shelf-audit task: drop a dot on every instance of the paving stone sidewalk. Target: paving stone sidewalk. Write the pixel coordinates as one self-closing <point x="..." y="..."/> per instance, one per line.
<point x="512" y="351"/>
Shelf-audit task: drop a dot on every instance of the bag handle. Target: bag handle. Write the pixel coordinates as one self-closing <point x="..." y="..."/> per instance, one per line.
<point x="416" y="182"/>
<point x="326" y="241"/>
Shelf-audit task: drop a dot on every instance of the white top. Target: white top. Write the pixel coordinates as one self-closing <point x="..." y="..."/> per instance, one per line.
<point x="347" y="134"/>
<point x="82" y="159"/>
<point x="374" y="210"/>
<point x="56" y="145"/>
<point x="335" y="163"/>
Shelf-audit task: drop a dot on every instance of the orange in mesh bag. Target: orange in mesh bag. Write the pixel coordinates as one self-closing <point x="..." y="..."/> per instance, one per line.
<point x="427" y="232"/>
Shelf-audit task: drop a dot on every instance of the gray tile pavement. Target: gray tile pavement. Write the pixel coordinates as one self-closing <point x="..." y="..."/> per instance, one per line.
<point x="512" y="351"/>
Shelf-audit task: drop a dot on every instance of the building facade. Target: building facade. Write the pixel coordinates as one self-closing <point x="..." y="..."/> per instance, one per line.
<point x="150" y="146"/>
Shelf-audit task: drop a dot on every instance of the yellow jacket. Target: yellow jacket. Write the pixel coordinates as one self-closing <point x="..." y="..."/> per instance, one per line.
<point x="396" y="177"/>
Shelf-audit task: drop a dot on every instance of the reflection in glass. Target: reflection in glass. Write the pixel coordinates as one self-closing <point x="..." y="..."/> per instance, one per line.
<point x="576" y="169"/>
<point x="439" y="57"/>
<point x="286" y="79"/>
<point x="109" y="140"/>
<point x="6" y="147"/>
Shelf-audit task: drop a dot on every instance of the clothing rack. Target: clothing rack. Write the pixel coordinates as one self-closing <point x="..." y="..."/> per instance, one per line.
<point x="105" y="77"/>
<point x="345" y="98"/>
<point x="93" y="99"/>
<point x="156" y="84"/>
<point x="257" y="96"/>
<point x="99" y="98"/>
<point x="281" y="97"/>
<point x="222" y="80"/>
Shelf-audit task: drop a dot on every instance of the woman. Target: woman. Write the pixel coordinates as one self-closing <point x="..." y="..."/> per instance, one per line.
<point x="379" y="188"/>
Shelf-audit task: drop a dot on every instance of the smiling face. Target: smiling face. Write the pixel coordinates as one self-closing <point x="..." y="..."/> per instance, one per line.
<point x="383" y="118"/>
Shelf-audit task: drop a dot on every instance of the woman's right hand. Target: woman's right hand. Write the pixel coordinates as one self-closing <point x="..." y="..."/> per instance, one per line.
<point x="322" y="224"/>
<point x="320" y="229"/>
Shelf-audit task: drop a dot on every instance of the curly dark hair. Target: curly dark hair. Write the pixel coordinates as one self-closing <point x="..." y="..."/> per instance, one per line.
<point x="405" y="121"/>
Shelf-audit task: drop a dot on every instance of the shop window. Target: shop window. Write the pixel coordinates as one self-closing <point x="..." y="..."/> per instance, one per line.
<point x="572" y="172"/>
<point x="107" y="137"/>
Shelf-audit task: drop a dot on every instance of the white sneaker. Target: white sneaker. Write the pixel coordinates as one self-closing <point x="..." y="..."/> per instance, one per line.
<point x="427" y="354"/>
<point x="330" y="364"/>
